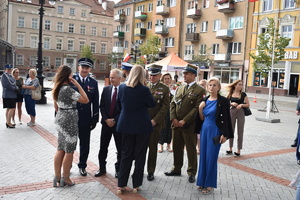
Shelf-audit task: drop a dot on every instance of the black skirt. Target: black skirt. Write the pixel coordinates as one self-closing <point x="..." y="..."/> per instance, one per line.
<point x="9" y="102"/>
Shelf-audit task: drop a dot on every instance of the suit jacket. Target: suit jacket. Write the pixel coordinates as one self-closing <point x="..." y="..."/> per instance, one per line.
<point x="134" y="103"/>
<point x="9" y="86"/>
<point x="161" y="94"/>
<point x="184" y="105"/>
<point x="88" y="113"/>
<point x="105" y="103"/>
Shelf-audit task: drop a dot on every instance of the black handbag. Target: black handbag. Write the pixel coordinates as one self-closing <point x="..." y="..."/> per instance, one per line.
<point x="247" y="111"/>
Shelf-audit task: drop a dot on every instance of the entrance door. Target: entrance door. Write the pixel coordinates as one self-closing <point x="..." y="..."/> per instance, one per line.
<point x="294" y="84"/>
<point x="72" y="63"/>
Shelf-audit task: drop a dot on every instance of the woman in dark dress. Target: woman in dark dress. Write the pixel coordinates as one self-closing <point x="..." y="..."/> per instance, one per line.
<point x="19" y="83"/>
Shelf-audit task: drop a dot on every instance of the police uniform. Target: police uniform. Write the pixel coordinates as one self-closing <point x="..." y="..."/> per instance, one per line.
<point x="184" y="106"/>
<point x="160" y="93"/>
<point x="88" y="113"/>
<point x="127" y="67"/>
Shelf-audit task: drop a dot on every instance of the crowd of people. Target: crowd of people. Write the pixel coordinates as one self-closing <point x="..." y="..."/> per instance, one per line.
<point x="140" y="112"/>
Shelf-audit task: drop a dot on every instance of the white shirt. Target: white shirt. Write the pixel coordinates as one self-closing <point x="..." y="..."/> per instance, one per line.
<point x="113" y="90"/>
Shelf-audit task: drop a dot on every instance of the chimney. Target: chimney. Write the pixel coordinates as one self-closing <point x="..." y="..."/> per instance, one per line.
<point x="104" y="5"/>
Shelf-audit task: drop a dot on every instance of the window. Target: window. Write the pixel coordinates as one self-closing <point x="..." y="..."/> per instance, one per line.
<point x="20" y="60"/>
<point x="32" y="60"/>
<point x="234" y="47"/>
<point x="33" y="41"/>
<point x="59" y="44"/>
<point x="72" y="11"/>
<point x="103" y="48"/>
<point x="81" y="44"/>
<point x="102" y="65"/>
<point x="46" y="43"/>
<point x="215" y="49"/>
<point x="120" y="11"/>
<point x="83" y="13"/>
<point x="191" y="28"/>
<point x="159" y="3"/>
<point x="140" y="25"/>
<point x="205" y="3"/>
<point x="126" y="44"/>
<point x="71" y="28"/>
<point x="172" y="3"/>
<point x="21" y="22"/>
<point x="58" y="62"/>
<point x="127" y="28"/>
<point x="189" y="50"/>
<point x="149" y="25"/>
<point x="60" y="9"/>
<point x="169" y="42"/>
<point x="192" y="4"/>
<point x="170" y="22"/>
<point x="289" y="4"/>
<point x="104" y="32"/>
<point x="47" y="25"/>
<point x="287" y="31"/>
<point x="82" y="29"/>
<point x="93" y="47"/>
<point x="46" y="61"/>
<point x="60" y="26"/>
<point x="203" y="49"/>
<point x="236" y="22"/>
<point x="34" y="23"/>
<point x="140" y="8"/>
<point x="127" y="11"/>
<point x="217" y="25"/>
<point x="150" y="7"/>
<point x="204" y="26"/>
<point x="70" y="45"/>
<point x="94" y="31"/>
<point x="20" y="40"/>
<point x="267" y="5"/>
<point x="226" y="74"/>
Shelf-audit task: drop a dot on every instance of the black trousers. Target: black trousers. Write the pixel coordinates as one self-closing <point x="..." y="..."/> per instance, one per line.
<point x="134" y="147"/>
<point x="106" y="134"/>
<point x="84" y="145"/>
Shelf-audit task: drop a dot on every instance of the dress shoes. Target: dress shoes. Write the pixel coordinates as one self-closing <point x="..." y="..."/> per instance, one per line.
<point x="100" y="172"/>
<point x="116" y="174"/>
<point x="82" y="172"/>
<point x="150" y="177"/>
<point x="172" y="173"/>
<point x="191" y="179"/>
<point x="294" y="145"/>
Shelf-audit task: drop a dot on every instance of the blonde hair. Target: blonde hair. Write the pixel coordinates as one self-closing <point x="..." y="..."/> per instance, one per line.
<point x="137" y="76"/>
<point x="33" y="71"/>
<point x="217" y="81"/>
<point x="13" y="71"/>
<point x="231" y="87"/>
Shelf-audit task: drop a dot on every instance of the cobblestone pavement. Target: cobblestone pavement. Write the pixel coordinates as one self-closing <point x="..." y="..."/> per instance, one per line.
<point x="262" y="172"/>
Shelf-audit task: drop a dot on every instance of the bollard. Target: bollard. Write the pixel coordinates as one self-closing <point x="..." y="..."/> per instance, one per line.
<point x="254" y="100"/>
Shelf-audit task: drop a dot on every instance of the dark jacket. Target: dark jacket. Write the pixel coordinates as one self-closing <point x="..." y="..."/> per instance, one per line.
<point x="134" y="103"/>
<point x="223" y="119"/>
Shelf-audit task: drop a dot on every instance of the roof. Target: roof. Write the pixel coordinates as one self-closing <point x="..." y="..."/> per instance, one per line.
<point x="123" y="2"/>
<point x="172" y="63"/>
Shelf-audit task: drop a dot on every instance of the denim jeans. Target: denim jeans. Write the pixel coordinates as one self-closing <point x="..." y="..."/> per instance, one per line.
<point x="298" y="191"/>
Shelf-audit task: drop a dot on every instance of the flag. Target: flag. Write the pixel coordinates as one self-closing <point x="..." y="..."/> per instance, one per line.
<point x="144" y="59"/>
<point x="126" y="57"/>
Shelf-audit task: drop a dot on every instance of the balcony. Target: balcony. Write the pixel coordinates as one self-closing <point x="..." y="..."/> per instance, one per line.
<point x="140" y="15"/>
<point x="188" y="57"/>
<point x="118" y="34"/>
<point x="162" y="10"/>
<point x="224" y="34"/>
<point x="118" y="50"/>
<point x="161" y="29"/>
<point x="226" y="7"/>
<point x="222" y="57"/>
<point x="193" y="37"/>
<point x="193" y="13"/>
<point x="120" y="18"/>
<point x="141" y="32"/>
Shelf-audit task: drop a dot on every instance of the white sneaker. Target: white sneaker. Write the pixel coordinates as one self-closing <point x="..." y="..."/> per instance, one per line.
<point x="30" y="124"/>
<point x="13" y="122"/>
<point x="20" y="122"/>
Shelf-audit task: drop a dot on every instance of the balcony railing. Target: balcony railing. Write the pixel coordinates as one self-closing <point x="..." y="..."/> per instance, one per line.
<point x="118" y="34"/>
<point x="225" y="34"/>
<point x="222" y="57"/>
<point x="140" y="15"/>
<point x="118" y="49"/>
<point x="140" y="32"/>
<point x="227" y="7"/>
<point x="192" y="37"/>
<point x="193" y="13"/>
<point x="120" y="18"/>
<point x="162" y="10"/>
<point x="188" y="57"/>
<point x="161" y="29"/>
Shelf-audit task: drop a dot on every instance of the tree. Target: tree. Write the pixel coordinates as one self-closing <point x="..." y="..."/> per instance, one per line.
<point x="86" y="52"/>
<point x="203" y="58"/>
<point x="114" y="58"/>
<point x="263" y="59"/>
<point x="150" y="49"/>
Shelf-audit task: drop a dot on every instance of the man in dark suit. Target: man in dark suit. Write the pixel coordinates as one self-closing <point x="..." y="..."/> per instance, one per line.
<point x="110" y="115"/>
<point x="183" y="109"/>
<point x="157" y="114"/>
<point x="88" y="113"/>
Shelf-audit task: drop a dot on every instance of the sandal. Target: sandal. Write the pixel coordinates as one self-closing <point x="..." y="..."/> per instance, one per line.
<point x="169" y="149"/>
<point x="228" y="152"/>
<point x="120" y="190"/>
<point x="237" y="154"/>
<point x="208" y="190"/>
<point x="200" y="188"/>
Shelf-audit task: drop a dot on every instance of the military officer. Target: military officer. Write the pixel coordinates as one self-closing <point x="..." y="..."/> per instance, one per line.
<point x="160" y="93"/>
<point x="126" y="67"/>
<point x="183" y="109"/>
<point x="88" y="113"/>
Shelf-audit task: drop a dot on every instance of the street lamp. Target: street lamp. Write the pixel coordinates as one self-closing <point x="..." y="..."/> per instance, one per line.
<point x="39" y="65"/>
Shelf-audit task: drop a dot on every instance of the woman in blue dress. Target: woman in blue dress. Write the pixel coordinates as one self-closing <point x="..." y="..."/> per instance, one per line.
<point x="214" y="111"/>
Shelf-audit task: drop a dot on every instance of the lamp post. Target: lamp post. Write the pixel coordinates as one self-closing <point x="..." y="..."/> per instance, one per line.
<point x="39" y="64"/>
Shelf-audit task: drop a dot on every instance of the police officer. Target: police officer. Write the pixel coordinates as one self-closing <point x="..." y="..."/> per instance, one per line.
<point x="126" y="67"/>
<point x="157" y="114"/>
<point x="88" y="113"/>
<point x="183" y="109"/>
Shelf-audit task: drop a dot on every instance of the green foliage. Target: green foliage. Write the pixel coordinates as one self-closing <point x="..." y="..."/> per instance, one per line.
<point x="114" y="58"/>
<point x="150" y="48"/>
<point x="86" y="52"/>
<point x="203" y="58"/>
<point x="263" y="59"/>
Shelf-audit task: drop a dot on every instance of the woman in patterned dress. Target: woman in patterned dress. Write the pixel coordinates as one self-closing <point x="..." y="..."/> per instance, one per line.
<point x="66" y="121"/>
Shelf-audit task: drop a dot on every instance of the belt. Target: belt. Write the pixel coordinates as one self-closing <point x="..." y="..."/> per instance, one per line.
<point x="67" y="108"/>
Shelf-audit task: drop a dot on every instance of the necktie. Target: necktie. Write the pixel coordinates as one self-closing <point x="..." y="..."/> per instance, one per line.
<point x="83" y="82"/>
<point x="113" y="103"/>
<point x="186" y="88"/>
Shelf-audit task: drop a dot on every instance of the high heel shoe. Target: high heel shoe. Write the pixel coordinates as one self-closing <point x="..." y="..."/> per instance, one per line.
<point x="135" y="190"/>
<point x="8" y="126"/>
<point x="63" y="182"/>
<point x="55" y="181"/>
<point x="120" y="190"/>
<point x="237" y="154"/>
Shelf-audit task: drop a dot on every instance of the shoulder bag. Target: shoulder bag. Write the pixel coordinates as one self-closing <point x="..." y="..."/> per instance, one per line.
<point x="37" y="93"/>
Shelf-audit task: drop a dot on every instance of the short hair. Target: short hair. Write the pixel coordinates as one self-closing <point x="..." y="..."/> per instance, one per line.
<point x="117" y="72"/>
<point x="214" y="79"/>
<point x="163" y="76"/>
<point x="13" y="71"/>
<point x="137" y="76"/>
<point x="33" y="71"/>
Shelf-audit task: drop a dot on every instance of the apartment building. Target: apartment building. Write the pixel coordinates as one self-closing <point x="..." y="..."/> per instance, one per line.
<point x="285" y="77"/>
<point x="67" y="27"/>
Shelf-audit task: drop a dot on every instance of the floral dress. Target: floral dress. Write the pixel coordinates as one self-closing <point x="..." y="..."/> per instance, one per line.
<point x="66" y="120"/>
